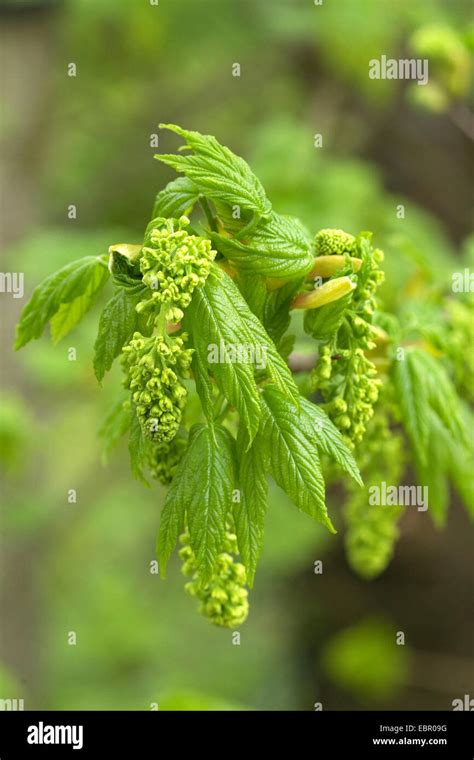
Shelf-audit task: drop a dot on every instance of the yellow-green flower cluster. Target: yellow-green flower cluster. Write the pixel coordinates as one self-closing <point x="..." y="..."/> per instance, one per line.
<point x="173" y="263"/>
<point x="450" y="72"/>
<point x="224" y="599"/>
<point x="372" y="530"/>
<point x="323" y="369"/>
<point x="372" y="536"/>
<point x="153" y="367"/>
<point x="345" y="377"/>
<point x="364" y="302"/>
<point x="329" y="242"/>
<point x="165" y="458"/>
<point x="350" y="387"/>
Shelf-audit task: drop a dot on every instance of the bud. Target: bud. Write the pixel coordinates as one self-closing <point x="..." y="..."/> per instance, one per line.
<point x="129" y="250"/>
<point x="330" y="291"/>
<point x="330" y="242"/>
<point x="326" y="266"/>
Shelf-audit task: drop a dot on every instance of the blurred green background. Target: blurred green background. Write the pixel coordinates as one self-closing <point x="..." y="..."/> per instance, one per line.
<point x="86" y="140"/>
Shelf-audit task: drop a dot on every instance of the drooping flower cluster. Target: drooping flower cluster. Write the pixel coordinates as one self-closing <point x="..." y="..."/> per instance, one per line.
<point x="372" y="529"/>
<point x="173" y="263"/>
<point x="153" y="366"/>
<point x="371" y="539"/>
<point x="224" y="599"/>
<point x="337" y="243"/>
<point x="165" y="457"/>
<point x="364" y="302"/>
<point x="344" y="375"/>
<point x="350" y="388"/>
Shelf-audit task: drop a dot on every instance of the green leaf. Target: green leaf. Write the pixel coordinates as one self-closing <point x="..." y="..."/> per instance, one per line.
<point x="412" y="396"/>
<point x="447" y="460"/>
<point x="172" y="520"/>
<point x="280" y="247"/>
<point x="63" y="287"/>
<point x="294" y="457"/>
<point x="253" y="333"/>
<point x="219" y="317"/>
<point x="217" y="172"/>
<point x="276" y="368"/>
<point x="211" y="500"/>
<point x="434" y="473"/>
<point x="201" y="494"/>
<point x="423" y="386"/>
<point x="277" y="317"/>
<point x="117" y="324"/>
<point x="176" y="199"/>
<point x="254" y="291"/>
<point x="116" y="424"/>
<point x="204" y="386"/>
<point x="461" y="467"/>
<point x="139" y="449"/>
<point x="250" y="511"/>
<point x="71" y="313"/>
<point x="213" y="321"/>
<point x="328" y="438"/>
<point x="441" y="393"/>
<point x="286" y="346"/>
<point x="324" y="322"/>
<point x="230" y="218"/>
<point x="461" y="462"/>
